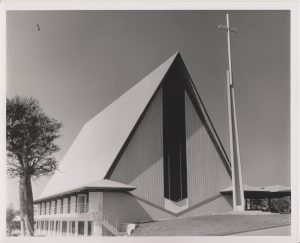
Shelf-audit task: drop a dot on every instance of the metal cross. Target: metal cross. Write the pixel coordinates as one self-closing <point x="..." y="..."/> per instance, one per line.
<point x="228" y="29"/>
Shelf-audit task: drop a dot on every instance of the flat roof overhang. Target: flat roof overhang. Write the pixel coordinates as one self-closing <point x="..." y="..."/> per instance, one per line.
<point x="101" y="185"/>
<point x="260" y="192"/>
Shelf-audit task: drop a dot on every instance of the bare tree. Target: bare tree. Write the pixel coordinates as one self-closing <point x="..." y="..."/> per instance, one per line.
<point x="30" y="136"/>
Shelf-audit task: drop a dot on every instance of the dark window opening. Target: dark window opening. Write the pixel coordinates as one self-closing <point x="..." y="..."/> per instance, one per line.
<point x="61" y="205"/>
<point x="72" y="228"/>
<point x="174" y="138"/>
<point x="55" y="207"/>
<point x="90" y="227"/>
<point x="80" y="227"/>
<point x="64" y="227"/>
<point x="69" y="205"/>
<point x="57" y="227"/>
<point x="50" y="207"/>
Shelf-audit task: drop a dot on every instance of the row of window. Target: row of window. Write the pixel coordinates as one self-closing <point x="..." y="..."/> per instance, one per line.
<point x="64" y="228"/>
<point x="59" y="206"/>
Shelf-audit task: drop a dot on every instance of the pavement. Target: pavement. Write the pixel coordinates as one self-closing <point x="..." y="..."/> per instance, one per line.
<point x="274" y="231"/>
<point x="217" y="225"/>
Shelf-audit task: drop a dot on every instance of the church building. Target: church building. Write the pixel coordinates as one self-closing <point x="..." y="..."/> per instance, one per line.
<point x="152" y="154"/>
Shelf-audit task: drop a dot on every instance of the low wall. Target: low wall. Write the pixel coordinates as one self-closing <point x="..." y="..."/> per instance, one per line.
<point x="130" y="209"/>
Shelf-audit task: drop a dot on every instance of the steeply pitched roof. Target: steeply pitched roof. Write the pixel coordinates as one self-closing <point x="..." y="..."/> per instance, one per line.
<point x="99" y="141"/>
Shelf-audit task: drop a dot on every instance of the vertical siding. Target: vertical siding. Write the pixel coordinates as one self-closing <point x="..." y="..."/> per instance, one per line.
<point x="128" y="209"/>
<point x="206" y="172"/>
<point x="141" y="165"/>
<point x="95" y="201"/>
<point x="219" y="205"/>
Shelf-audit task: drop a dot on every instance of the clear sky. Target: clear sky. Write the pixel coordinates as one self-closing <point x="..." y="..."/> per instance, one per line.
<point x="81" y="61"/>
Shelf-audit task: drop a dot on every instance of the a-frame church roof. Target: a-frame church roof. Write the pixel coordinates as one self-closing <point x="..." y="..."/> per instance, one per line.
<point x="100" y="140"/>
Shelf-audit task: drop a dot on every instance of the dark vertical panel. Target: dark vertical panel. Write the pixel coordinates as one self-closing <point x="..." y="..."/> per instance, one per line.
<point x="175" y="182"/>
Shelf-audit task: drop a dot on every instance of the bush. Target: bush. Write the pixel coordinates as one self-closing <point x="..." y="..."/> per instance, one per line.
<point x="280" y="205"/>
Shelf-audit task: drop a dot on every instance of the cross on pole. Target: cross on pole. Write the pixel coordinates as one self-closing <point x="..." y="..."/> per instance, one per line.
<point x="237" y="181"/>
<point x="228" y="29"/>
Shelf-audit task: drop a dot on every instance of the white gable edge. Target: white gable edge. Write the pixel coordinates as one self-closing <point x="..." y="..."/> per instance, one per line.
<point x="62" y="181"/>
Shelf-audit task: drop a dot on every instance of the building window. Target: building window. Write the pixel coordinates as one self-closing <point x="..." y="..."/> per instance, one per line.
<point x="80" y="228"/>
<point x="69" y="204"/>
<point x="47" y="208"/>
<point x="55" y="206"/>
<point x="41" y="208"/>
<point x="90" y="228"/>
<point x="44" y="207"/>
<point x="81" y="205"/>
<point x="174" y="139"/>
<point x="46" y="225"/>
<point x="50" y="207"/>
<point x="64" y="227"/>
<point x="57" y="227"/>
<point x="52" y="226"/>
<point x="72" y="228"/>
<point x="42" y="225"/>
<point x="61" y="206"/>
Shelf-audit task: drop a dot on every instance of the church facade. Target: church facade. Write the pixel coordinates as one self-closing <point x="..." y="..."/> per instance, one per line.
<point x="152" y="154"/>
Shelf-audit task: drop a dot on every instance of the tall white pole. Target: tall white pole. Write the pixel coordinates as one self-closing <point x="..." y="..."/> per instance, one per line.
<point x="229" y="50"/>
<point x="237" y="182"/>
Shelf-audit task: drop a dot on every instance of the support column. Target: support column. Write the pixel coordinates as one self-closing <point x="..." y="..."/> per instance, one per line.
<point x="85" y="228"/>
<point x="76" y="228"/>
<point x="68" y="228"/>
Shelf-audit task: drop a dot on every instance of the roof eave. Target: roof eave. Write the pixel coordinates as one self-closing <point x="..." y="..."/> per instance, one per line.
<point x="85" y="188"/>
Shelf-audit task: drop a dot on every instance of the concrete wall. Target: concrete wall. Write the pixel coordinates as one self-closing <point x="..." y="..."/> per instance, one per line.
<point x="206" y="173"/>
<point x="127" y="208"/>
<point x="141" y="165"/>
<point x="219" y="204"/>
<point x="95" y="201"/>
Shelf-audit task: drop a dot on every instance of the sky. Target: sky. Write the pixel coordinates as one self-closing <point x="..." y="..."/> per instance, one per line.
<point x="81" y="61"/>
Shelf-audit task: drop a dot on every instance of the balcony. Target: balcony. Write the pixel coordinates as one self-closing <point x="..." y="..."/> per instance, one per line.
<point x="72" y="208"/>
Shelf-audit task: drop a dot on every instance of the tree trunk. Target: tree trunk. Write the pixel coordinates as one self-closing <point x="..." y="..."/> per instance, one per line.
<point x="22" y="226"/>
<point x="26" y="206"/>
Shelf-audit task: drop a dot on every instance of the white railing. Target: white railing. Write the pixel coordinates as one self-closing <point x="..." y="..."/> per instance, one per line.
<point x="109" y="221"/>
<point x="63" y="209"/>
<point x="99" y="215"/>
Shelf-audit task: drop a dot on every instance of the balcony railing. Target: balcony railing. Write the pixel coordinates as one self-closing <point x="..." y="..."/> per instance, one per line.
<point x="104" y="217"/>
<point x="63" y="209"/>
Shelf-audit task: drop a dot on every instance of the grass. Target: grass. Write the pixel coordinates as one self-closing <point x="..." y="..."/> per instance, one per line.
<point x="213" y="225"/>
